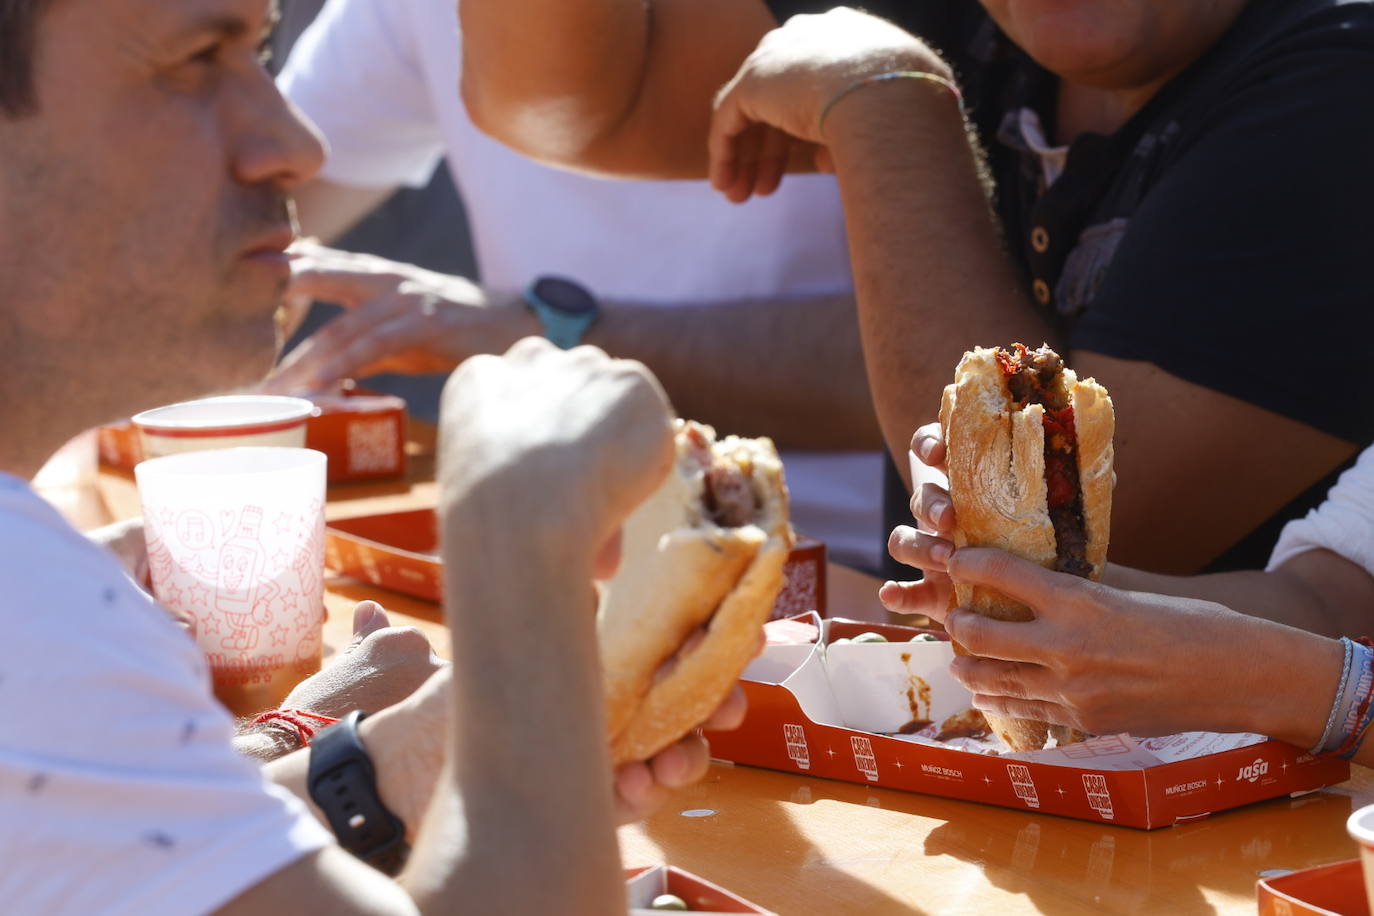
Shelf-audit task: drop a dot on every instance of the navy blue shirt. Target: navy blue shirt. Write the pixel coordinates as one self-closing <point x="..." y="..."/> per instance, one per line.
<point x="1224" y="234"/>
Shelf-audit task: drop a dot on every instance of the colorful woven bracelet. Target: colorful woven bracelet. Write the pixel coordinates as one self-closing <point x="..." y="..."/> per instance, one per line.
<point x="1337" y="702"/>
<point x="1359" y="714"/>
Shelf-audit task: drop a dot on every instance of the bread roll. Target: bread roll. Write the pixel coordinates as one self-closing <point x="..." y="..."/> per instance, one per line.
<point x="681" y="569"/>
<point x="996" y="463"/>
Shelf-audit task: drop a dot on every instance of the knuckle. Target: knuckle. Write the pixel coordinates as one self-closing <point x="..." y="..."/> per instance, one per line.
<point x="965" y="628"/>
<point x="400" y="640"/>
<point x="1009" y="683"/>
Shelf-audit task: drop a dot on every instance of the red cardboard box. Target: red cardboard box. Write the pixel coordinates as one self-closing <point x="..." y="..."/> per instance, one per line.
<point x="642" y="885"/>
<point x="1329" y="890"/>
<point x="397" y="550"/>
<point x="833" y="710"/>
<point x="363" y="434"/>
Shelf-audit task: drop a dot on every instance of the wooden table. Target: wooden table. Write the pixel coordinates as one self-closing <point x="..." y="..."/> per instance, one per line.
<point x="801" y="845"/>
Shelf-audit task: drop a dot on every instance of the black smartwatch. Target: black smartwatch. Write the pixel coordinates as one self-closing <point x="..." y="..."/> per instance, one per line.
<point x="343" y="784"/>
<point x="565" y="309"/>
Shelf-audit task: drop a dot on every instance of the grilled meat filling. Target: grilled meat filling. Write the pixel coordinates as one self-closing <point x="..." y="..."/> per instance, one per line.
<point x="1035" y="377"/>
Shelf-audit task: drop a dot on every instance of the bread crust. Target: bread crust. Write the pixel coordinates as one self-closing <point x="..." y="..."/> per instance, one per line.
<point x="996" y="468"/>
<point x="679" y="571"/>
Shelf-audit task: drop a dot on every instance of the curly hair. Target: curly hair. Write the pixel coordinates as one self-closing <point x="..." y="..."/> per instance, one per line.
<point x="18" y="34"/>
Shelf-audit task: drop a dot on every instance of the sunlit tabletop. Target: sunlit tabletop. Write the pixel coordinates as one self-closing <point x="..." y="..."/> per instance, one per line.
<point x="797" y="844"/>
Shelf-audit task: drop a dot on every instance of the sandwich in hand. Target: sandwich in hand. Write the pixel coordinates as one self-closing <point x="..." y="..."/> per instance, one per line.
<point x="1029" y="454"/>
<point x="701" y="568"/>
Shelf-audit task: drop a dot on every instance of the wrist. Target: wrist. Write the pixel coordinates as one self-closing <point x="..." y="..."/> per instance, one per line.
<point x="266" y="741"/>
<point x="874" y="108"/>
<point x="1296" y="673"/>
<point x="514" y="320"/>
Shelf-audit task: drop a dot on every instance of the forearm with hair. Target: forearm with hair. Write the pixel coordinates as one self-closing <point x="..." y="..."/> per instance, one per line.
<point x="529" y="755"/>
<point x="1317" y="591"/>
<point x="791" y="369"/>
<point x="264" y="742"/>
<point x="931" y="276"/>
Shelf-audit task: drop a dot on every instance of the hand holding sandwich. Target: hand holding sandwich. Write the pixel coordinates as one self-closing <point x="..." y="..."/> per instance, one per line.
<point x="543" y="455"/>
<point x="1103" y="660"/>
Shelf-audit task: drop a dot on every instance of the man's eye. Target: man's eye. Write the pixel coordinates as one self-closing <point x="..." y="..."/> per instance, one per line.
<point x="206" y="55"/>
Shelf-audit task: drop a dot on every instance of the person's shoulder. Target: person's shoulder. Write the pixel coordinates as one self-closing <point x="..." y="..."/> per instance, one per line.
<point x="1272" y="29"/>
<point x="67" y="598"/>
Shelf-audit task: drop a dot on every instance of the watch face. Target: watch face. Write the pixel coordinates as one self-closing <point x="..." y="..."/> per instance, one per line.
<point x="564" y="295"/>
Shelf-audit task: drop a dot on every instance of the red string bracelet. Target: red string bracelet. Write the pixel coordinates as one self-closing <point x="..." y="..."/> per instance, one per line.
<point x="304" y="724"/>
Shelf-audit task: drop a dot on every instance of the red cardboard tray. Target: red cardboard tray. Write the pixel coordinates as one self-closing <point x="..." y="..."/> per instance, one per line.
<point x="362" y="432"/>
<point x="397" y="550"/>
<point x="1328" y="890"/>
<point x="795" y="717"/>
<point x="642" y="885"/>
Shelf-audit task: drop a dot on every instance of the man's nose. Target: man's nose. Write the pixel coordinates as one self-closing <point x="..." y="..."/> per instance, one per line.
<point x="277" y="144"/>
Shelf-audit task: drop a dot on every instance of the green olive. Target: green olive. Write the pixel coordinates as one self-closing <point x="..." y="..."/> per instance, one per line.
<point x="668" y="902"/>
<point x="925" y="637"/>
<point x="870" y="637"/>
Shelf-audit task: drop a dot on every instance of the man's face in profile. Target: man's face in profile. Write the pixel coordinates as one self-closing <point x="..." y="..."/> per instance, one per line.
<point x="143" y="204"/>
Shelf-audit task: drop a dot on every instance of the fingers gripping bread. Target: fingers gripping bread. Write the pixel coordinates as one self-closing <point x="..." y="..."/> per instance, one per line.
<point x="998" y="484"/>
<point x="689" y="560"/>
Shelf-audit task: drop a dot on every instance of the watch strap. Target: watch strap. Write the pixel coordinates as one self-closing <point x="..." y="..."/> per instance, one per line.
<point x="562" y="327"/>
<point x="343" y="784"/>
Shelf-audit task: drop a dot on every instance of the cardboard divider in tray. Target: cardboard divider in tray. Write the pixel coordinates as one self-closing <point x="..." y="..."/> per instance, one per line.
<point x="1328" y="890"/>
<point x="399" y="551"/>
<point x="642" y="885"/>
<point x="838" y="711"/>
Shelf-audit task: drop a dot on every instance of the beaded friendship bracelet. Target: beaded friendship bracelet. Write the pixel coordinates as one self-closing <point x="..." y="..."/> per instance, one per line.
<point x="883" y="78"/>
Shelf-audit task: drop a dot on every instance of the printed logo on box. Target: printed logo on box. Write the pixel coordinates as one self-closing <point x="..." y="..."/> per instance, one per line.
<point x="941" y="772"/>
<point x="1186" y="787"/>
<point x="796" y="746"/>
<point x="1023" y="785"/>
<point x="373" y="445"/>
<point x="1099" y="799"/>
<point x="1252" y="772"/>
<point x="863" y="756"/>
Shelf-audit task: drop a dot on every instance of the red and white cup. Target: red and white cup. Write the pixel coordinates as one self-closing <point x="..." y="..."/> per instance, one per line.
<point x="232" y="421"/>
<point x="236" y="548"/>
<point x="1361" y="829"/>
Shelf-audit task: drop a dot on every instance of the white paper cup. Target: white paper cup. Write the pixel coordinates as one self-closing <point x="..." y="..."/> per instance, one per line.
<point x="1361" y="828"/>
<point x="236" y="545"/>
<point x="232" y="421"/>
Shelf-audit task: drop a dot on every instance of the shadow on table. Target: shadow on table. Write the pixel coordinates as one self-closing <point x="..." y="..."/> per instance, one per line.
<point x="355" y="591"/>
<point x="1060" y="865"/>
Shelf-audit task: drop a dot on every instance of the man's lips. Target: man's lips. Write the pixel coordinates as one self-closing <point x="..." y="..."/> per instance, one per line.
<point x="271" y="246"/>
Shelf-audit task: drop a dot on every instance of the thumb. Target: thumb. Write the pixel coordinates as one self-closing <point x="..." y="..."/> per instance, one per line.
<point x="1021" y="580"/>
<point x="368" y="618"/>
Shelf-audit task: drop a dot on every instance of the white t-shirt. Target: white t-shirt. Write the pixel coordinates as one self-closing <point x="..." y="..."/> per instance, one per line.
<point x="380" y="78"/>
<point x="119" y="789"/>
<point x="1343" y="523"/>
